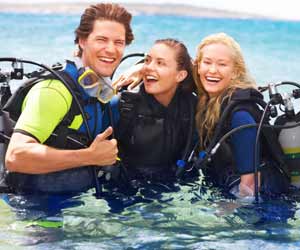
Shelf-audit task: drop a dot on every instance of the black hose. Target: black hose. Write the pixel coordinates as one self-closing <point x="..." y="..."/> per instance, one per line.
<point x="256" y="161"/>
<point x="133" y="55"/>
<point x="126" y="57"/>
<point x="234" y="130"/>
<point x="289" y="83"/>
<point x="264" y="88"/>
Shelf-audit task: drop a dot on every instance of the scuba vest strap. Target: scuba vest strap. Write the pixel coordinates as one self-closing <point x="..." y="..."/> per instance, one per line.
<point x="246" y="94"/>
<point x="111" y="118"/>
<point x="127" y="108"/>
<point x="62" y="131"/>
<point x="61" y="139"/>
<point x="188" y="150"/>
<point x="74" y="109"/>
<point x="191" y="129"/>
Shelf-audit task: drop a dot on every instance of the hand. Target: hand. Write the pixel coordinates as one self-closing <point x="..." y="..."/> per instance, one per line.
<point x="243" y="193"/>
<point x="131" y="77"/>
<point x="245" y="190"/>
<point x="103" y="151"/>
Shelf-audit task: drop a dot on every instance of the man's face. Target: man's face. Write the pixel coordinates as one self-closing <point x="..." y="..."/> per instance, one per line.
<point x="103" y="49"/>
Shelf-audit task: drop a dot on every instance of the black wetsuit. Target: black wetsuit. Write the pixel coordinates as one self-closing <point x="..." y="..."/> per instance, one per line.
<point x="152" y="137"/>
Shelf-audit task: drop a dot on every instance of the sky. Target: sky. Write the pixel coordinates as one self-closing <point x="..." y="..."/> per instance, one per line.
<point x="286" y="9"/>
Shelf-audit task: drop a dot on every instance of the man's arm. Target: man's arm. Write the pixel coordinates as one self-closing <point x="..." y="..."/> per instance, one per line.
<point x="26" y="155"/>
<point x="131" y="77"/>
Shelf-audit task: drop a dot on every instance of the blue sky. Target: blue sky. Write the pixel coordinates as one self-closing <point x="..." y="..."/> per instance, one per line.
<point x="286" y="9"/>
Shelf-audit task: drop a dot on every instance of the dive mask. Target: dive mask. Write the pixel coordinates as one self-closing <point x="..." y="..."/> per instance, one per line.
<point x="89" y="80"/>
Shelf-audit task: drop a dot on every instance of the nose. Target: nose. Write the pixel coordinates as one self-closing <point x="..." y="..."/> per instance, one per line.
<point x="110" y="47"/>
<point x="212" y="68"/>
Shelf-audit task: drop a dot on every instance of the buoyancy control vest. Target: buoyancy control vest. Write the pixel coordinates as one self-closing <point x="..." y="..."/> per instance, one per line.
<point x="66" y="181"/>
<point x="153" y="137"/>
<point x="275" y="176"/>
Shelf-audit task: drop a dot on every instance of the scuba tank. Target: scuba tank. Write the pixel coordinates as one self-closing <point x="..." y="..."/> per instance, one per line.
<point x="289" y="139"/>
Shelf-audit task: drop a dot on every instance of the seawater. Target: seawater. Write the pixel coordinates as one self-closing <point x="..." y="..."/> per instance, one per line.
<point x="190" y="216"/>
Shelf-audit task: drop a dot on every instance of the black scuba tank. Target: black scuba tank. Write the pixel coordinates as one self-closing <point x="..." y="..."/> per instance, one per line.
<point x="289" y="140"/>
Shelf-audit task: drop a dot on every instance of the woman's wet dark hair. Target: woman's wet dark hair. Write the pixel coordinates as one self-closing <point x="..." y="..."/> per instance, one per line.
<point x="103" y="11"/>
<point x="184" y="61"/>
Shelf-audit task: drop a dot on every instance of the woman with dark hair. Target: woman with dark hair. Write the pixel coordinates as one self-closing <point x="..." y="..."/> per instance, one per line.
<point x="157" y="123"/>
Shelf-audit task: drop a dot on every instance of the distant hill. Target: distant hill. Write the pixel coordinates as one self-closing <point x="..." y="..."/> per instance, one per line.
<point x="136" y="9"/>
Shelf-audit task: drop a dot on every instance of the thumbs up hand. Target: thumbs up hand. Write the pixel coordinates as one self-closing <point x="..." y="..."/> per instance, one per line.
<point x="103" y="151"/>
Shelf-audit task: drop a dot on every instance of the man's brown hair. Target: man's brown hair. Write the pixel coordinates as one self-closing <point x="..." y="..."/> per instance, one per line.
<point x="103" y="11"/>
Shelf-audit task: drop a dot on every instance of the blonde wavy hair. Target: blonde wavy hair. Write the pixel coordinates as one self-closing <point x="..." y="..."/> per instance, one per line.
<point x="208" y="109"/>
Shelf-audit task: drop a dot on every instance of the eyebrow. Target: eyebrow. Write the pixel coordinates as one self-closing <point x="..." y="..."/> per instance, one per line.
<point x="120" y="39"/>
<point x="106" y="37"/>
<point x="161" y="59"/>
<point x="157" y="59"/>
<point x="218" y="60"/>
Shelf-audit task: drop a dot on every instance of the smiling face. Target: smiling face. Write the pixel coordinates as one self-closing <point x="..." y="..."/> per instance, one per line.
<point x="216" y="68"/>
<point x="161" y="76"/>
<point x="103" y="49"/>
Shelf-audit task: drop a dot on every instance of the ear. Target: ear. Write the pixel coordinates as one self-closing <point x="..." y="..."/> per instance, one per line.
<point x="181" y="75"/>
<point x="82" y="42"/>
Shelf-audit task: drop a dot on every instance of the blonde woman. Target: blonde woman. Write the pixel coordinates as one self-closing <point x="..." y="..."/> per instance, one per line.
<point x="220" y="73"/>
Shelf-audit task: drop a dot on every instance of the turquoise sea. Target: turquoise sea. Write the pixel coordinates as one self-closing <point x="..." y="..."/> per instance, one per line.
<point x="190" y="216"/>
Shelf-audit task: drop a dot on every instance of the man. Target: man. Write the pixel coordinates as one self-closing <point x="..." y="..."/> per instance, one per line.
<point x="36" y="160"/>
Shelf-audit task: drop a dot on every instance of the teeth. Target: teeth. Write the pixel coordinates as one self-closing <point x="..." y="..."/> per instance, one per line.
<point x="106" y="59"/>
<point x="151" y="78"/>
<point x="215" y="79"/>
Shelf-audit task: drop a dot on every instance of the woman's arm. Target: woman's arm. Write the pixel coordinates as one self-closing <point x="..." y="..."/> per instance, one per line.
<point x="243" y="143"/>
